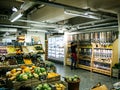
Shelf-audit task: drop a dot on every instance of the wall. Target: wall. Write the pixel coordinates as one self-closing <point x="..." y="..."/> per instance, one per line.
<point x="41" y="35"/>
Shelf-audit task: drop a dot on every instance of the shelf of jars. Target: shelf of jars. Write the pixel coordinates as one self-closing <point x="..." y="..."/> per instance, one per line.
<point x="85" y="54"/>
<point x="85" y="58"/>
<point x="97" y="51"/>
<point x="85" y="62"/>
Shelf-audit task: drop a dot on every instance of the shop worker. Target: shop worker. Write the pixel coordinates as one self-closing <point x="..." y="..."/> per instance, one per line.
<point x="73" y="55"/>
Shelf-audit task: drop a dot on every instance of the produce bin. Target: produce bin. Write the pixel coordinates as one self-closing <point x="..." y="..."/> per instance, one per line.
<point x="73" y="85"/>
<point x="53" y="79"/>
<point x="59" y="85"/>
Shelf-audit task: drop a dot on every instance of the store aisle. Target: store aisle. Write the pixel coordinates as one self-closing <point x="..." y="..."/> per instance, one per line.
<point x="88" y="79"/>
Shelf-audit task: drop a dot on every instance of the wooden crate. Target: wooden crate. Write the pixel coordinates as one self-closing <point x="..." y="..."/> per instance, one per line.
<point x="17" y="84"/>
<point x="52" y="84"/>
<point x="30" y="82"/>
<point x="57" y="78"/>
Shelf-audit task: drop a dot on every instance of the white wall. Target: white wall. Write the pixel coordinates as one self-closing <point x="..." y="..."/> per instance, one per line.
<point x="41" y="35"/>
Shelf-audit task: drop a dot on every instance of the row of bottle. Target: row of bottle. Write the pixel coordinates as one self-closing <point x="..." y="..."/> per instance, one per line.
<point x="104" y="66"/>
<point x="98" y="53"/>
<point x="102" y="53"/>
<point x="95" y="64"/>
<point x="99" y="37"/>
<point x="85" y="51"/>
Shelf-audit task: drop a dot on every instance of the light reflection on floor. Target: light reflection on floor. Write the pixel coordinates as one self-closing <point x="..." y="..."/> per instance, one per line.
<point x="88" y="79"/>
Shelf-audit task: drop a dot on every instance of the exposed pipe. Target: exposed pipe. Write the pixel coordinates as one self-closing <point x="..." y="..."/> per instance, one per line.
<point x="94" y="26"/>
<point x="95" y="22"/>
<point x="59" y="5"/>
<point x="14" y="26"/>
<point x="100" y="23"/>
<point x="98" y="29"/>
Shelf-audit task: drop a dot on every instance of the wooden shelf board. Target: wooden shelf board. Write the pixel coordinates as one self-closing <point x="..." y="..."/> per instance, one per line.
<point x="101" y="62"/>
<point x="84" y="67"/>
<point x="85" y="59"/>
<point x="106" y="72"/>
<point x="85" y="47"/>
<point x="85" y="55"/>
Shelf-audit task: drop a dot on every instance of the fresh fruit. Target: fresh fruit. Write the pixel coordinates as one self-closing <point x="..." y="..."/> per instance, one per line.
<point x="75" y="78"/>
<point x="29" y="75"/>
<point x="52" y="74"/>
<point x="59" y="86"/>
<point x="22" y="77"/>
<point x="25" y="72"/>
<point x="37" y="70"/>
<point x="13" y="71"/>
<point x="42" y="69"/>
<point x="35" y="75"/>
<point x="44" y="86"/>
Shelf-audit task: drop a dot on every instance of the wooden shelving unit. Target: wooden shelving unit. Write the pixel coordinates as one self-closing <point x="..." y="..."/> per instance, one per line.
<point x="96" y="51"/>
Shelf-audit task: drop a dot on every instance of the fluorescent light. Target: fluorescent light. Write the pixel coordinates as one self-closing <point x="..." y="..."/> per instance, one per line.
<point x="16" y="15"/>
<point x="8" y="29"/>
<point x="82" y="14"/>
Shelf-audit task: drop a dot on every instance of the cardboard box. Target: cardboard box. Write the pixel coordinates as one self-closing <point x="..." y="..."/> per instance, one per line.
<point x="102" y="87"/>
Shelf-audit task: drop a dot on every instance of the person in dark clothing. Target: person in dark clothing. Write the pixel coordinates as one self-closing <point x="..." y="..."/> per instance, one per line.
<point x="73" y="55"/>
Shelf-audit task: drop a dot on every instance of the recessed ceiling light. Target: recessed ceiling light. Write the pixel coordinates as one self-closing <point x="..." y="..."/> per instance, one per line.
<point x="14" y="9"/>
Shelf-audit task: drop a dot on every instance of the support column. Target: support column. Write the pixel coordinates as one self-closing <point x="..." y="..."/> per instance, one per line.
<point x="119" y="36"/>
<point x="65" y="47"/>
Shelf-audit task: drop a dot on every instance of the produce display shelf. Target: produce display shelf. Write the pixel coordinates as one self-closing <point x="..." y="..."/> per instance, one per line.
<point x="57" y="78"/>
<point x="30" y="82"/>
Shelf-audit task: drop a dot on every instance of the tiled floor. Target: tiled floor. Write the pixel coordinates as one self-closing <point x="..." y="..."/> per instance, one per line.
<point x="88" y="79"/>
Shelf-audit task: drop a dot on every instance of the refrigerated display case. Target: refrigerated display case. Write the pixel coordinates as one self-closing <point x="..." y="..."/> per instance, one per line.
<point x="56" y="48"/>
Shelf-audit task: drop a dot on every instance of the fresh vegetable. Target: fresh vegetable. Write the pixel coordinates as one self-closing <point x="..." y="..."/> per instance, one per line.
<point x="74" y="78"/>
<point x="44" y="86"/>
<point x="25" y="72"/>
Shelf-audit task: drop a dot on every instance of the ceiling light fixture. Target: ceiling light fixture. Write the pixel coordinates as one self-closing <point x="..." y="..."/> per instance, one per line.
<point x="82" y="14"/>
<point x="16" y="15"/>
<point x="14" y="9"/>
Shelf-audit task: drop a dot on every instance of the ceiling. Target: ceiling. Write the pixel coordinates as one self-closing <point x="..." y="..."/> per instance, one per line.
<point x="52" y="12"/>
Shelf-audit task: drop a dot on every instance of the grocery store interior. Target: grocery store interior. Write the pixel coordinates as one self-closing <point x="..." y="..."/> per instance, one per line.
<point x="36" y="50"/>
